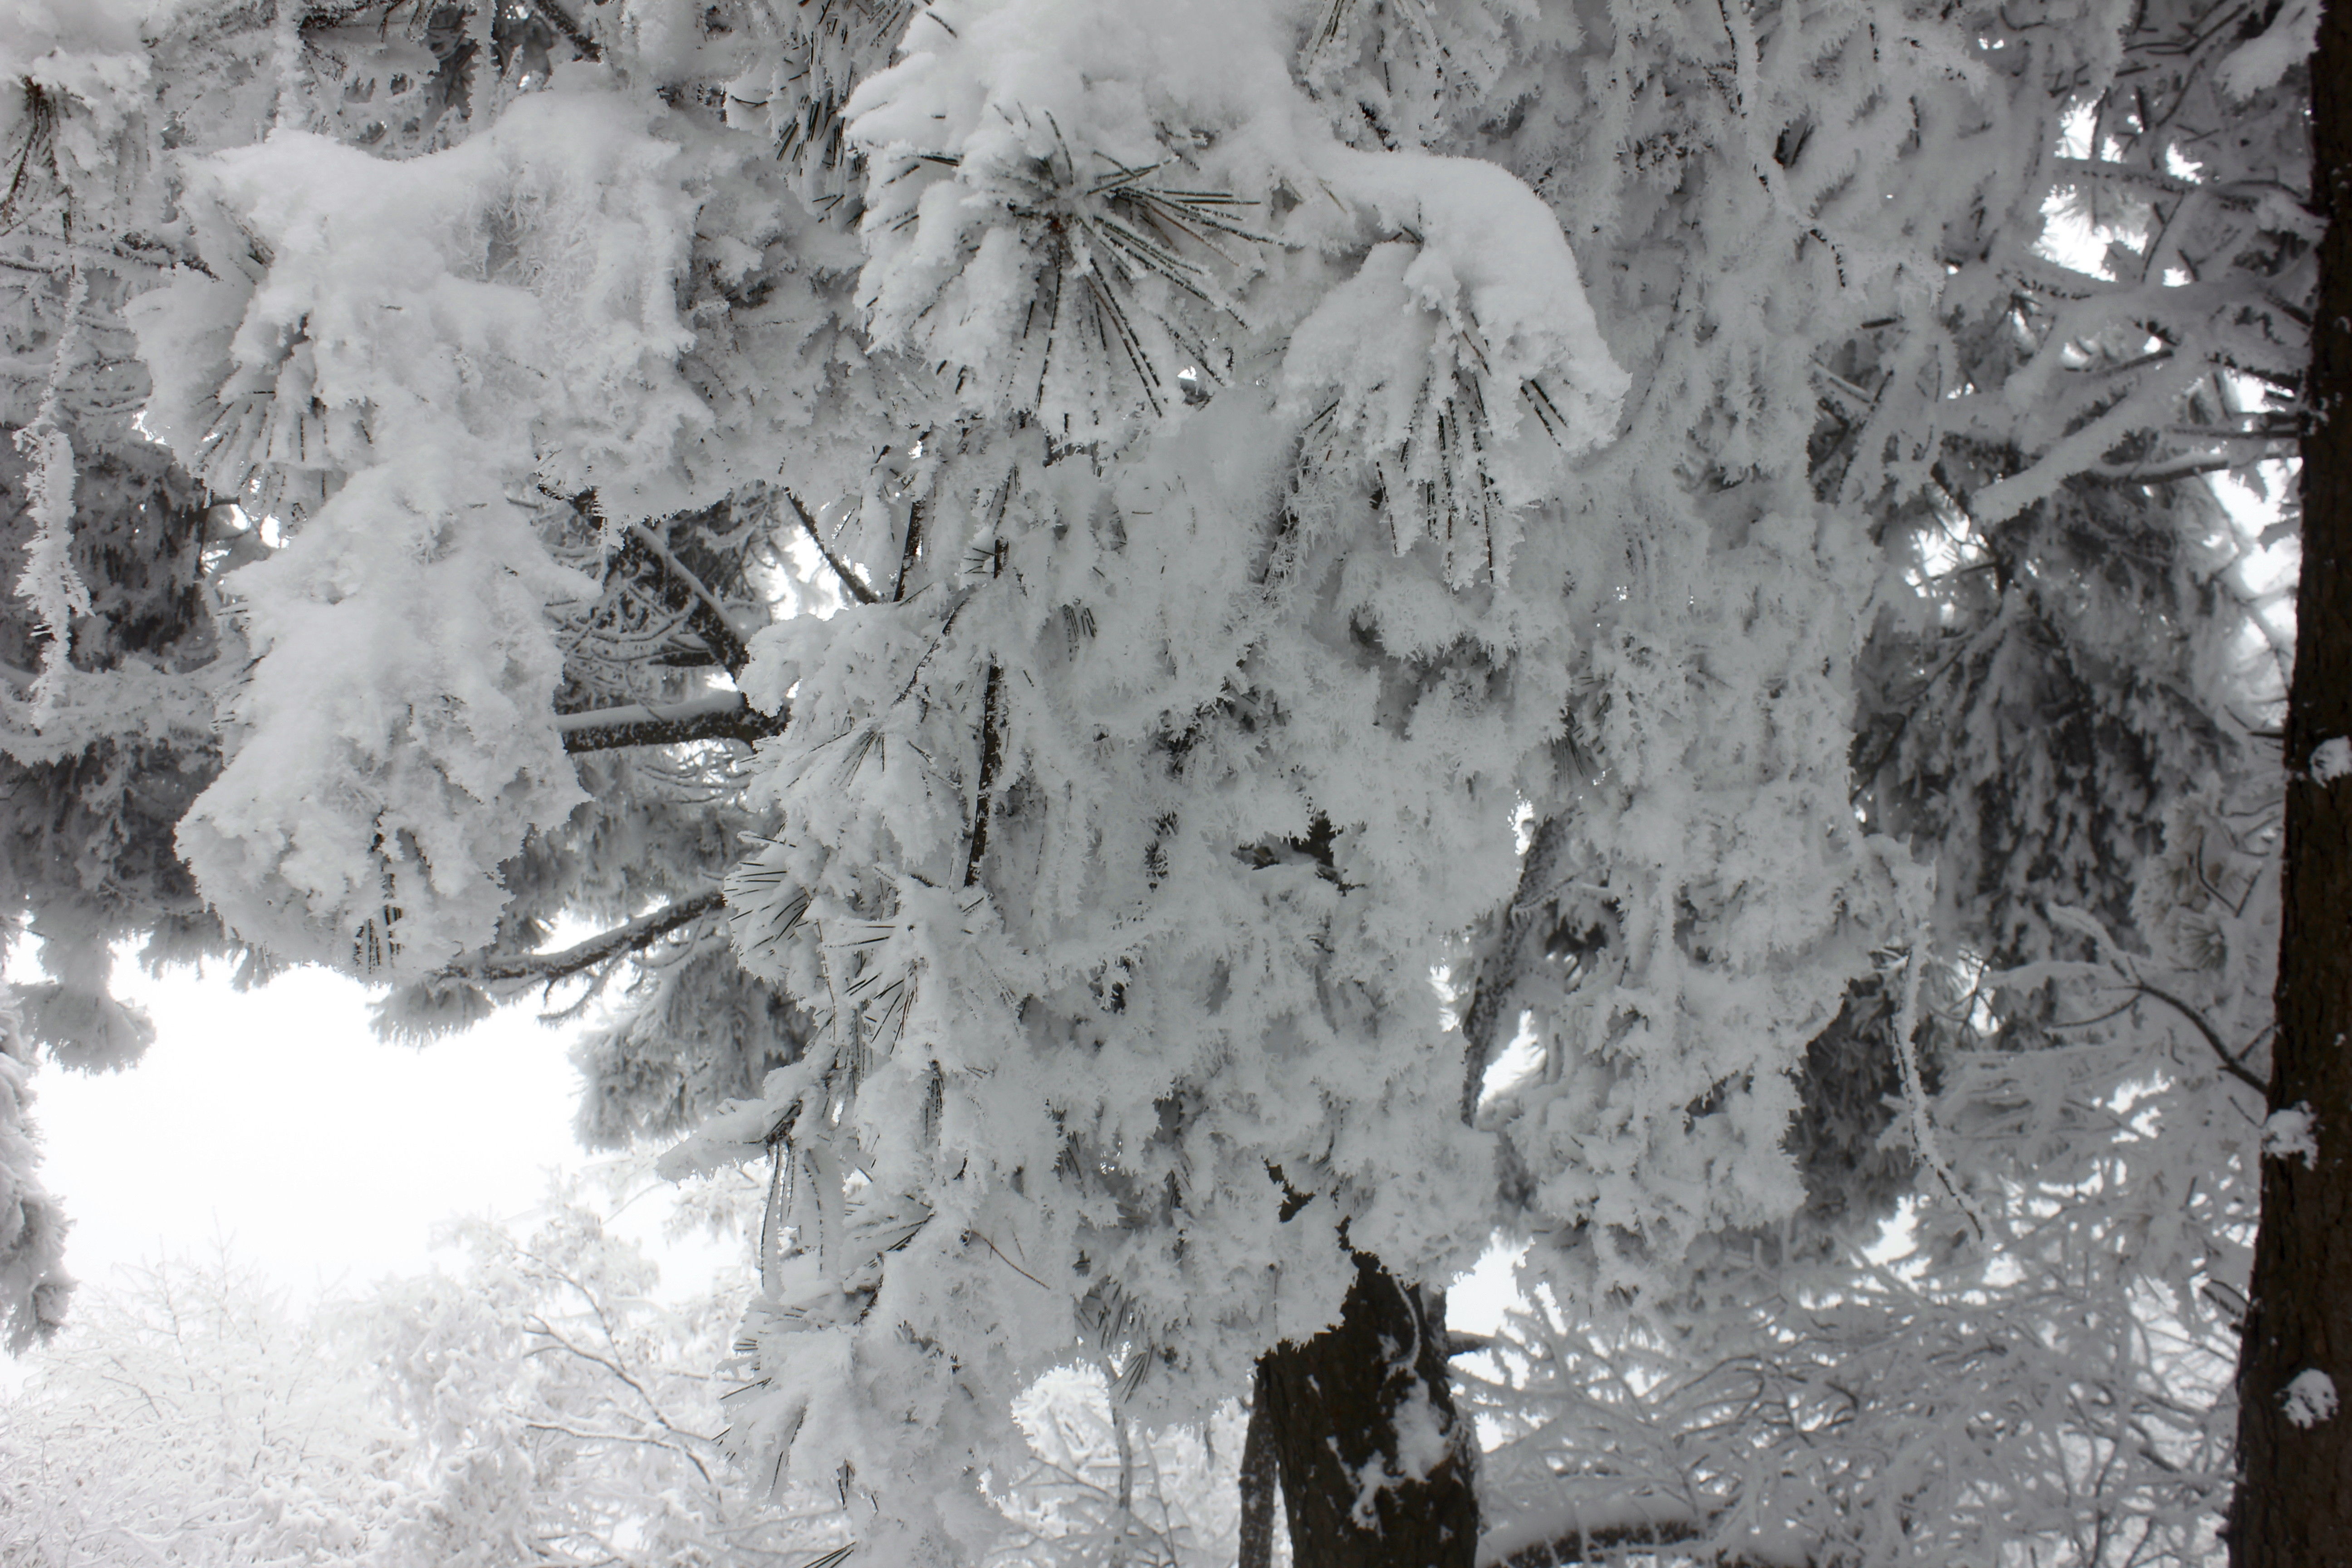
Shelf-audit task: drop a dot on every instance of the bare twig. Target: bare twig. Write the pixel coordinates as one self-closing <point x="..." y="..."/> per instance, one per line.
<point x="2230" y="1063"/>
<point x="645" y="558"/>
<point x="992" y="751"/>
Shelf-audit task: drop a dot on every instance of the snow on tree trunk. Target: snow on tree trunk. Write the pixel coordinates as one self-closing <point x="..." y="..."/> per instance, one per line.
<point x="1377" y="1464"/>
<point x="2294" y="1503"/>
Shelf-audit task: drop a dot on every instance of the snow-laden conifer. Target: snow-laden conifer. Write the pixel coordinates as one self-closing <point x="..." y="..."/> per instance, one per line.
<point x="1362" y="621"/>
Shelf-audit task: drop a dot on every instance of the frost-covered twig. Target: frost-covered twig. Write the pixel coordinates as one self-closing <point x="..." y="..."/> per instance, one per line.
<point x="49" y="584"/>
<point x="1480" y="1023"/>
<point x="1914" y="1093"/>
<point x="1577" y="1546"/>
<point x="856" y="587"/>
<point x="643" y="559"/>
<point x="638" y="934"/>
<point x="578" y="37"/>
<point x="706" y="615"/>
<point x="722" y="716"/>
<point x="2120" y="961"/>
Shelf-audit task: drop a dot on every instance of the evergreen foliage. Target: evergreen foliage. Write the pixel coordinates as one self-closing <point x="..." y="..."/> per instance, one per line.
<point x="1195" y="654"/>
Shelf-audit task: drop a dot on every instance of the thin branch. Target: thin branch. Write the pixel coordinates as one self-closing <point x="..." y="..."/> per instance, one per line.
<point x="859" y="589"/>
<point x="992" y="762"/>
<point x="722" y="716"/>
<point x="538" y="1325"/>
<point x="644" y="555"/>
<point x="2158" y="474"/>
<point x="707" y="616"/>
<point x="561" y="1430"/>
<point x="2231" y="1064"/>
<point x="1481" y="1020"/>
<point x="1579" y="1546"/>
<point x="574" y="32"/>
<point x="908" y="550"/>
<point x="641" y="932"/>
<point x="992" y="746"/>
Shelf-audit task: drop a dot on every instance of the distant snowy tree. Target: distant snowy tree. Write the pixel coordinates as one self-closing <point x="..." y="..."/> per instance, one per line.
<point x="1196" y="653"/>
<point x="189" y="1417"/>
<point x="556" y="1412"/>
<point x="530" y="1401"/>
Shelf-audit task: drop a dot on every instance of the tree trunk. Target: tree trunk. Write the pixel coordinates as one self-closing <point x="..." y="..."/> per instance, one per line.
<point x="2294" y="1503"/>
<point x="1258" y="1480"/>
<point x="1375" y="1464"/>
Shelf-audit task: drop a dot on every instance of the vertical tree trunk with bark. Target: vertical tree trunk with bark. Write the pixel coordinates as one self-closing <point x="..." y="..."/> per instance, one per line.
<point x="1258" y="1481"/>
<point x="2294" y="1503"/>
<point x="1375" y="1464"/>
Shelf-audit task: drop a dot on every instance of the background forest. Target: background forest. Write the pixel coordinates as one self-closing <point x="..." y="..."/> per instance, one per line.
<point x="1182" y="659"/>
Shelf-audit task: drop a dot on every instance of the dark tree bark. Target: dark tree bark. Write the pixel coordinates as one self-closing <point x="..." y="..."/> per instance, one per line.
<point x="1340" y="1407"/>
<point x="722" y="716"/>
<point x="1257" y="1482"/>
<point x="2294" y="1503"/>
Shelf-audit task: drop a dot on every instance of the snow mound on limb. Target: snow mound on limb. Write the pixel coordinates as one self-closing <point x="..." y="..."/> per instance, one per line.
<point x="381" y="356"/>
<point x="1133" y="175"/>
<point x="1488" y="257"/>
<point x="84" y="52"/>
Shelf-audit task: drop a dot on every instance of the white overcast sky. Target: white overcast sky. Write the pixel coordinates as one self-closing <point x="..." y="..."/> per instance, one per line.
<point x="274" y="1121"/>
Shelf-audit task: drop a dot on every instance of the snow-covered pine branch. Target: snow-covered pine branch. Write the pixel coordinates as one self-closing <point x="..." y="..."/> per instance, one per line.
<point x="1232" y="530"/>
